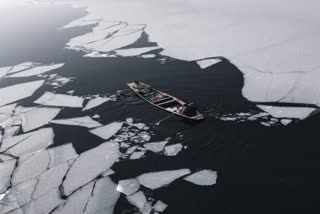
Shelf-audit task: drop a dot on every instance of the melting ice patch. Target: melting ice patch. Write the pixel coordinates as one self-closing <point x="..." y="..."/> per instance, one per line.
<point x="19" y="91"/>
<point x="52" y="99"/>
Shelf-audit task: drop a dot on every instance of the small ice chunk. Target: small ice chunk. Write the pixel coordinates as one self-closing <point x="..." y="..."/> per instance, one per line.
<point x="61" y="154"/>
<point x="89" y="165"/>
<point x="129" y="121"/>
<point x="135" y="51"/>
<point x="95" y="102"/>
<point x="28" y="143"/>
<point x="85" y="121"/>
<point x="285" y="121"/>
<point x="140" y="125"/>
<point x="51" y="99"/>
<point x="107" y="131"/>
<point x="19" y="91"/>
<point x="31" y="167"/>
<point x="129" y="186"/>
<point x="96" y="116"/>
<point x="160" y="206"/>
<point x="76" y="203"/>
<point x="138" y="199"/>
<point x="203" y="178"/>
<point x="155" y="146"/>
<point x="104" y="197"/>
<point x="146" y="56"/>
<point x="204" y="63"/>
<point x="155" y="180"/>
<point x="137" y="155"/>
<point x="37" y="70"/>
<point x="38" y="117"/>
<point x="173" y="150"/>
<point x="6" y="169"/>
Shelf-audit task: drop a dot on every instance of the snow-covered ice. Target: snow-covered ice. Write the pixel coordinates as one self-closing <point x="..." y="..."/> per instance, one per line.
<point x="61" y="154"/>
<point x="95" y="102"/>
<point x="129" y="186"/>
<point x="64" y="100"/>
<point x="84" y="121"/>
<point x="17" y="92"/>
<point x="107" y="131"/>
<point x="38" y="117"/>
<point x="155" y="180"/>
<point x="89" y="165"/>
<point x="203" y="178"/>
<point x="173" y="150"/>
<point x="6" y="169"/>
<point x="37" y="70"/>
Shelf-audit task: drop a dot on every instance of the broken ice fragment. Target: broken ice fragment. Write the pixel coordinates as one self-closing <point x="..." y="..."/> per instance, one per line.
<point x="28" y="143"/>
<point x="38" y="117"/>
<point x="129" y="186"/>
<point x="76" y="202"/>
<point x="290" y="112"/>
<point x="47" y="202"/>
<point x="204" y="63"/>
<point x="160" y="206"/>
<point x="8" y="109"/>
<point x="51" y="99"/>
<point x="140" y="125"/>
<point x="138" y="199"/>
<point x="285" y="121"/>
<point x="173" y="150"/>
<point x="37" y="70"/>
<point x="137" y="155"/>
<point x="107" y="131"/>
<point x="61" y="154"/>
<point x="95" y="102"/>
<point x="155" y="146"/>
<point x="30" y="167"/>
<point x="19" y="91"/>
<point x="104" y="197"/>
<point x="155" y="180"/>
<point x="129" y="121"/>
<point x="85" y="121"/>
<point x="6" y="169"/>
<point x="134" y="51"/>
<point x="203" y="178"/>
<point x="107" y="173"/>
<point x="89" y="165"/>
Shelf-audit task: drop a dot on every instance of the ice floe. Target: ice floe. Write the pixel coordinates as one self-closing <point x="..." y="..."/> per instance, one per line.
<point x="61" y="154"/>
<point x="203" y="178"/>
<point x="38" y="117"/>
<point x="95" y="102"/>
<point x="6" y="169"/>
<point x="8" y="109"/>
<point x="155" y="146"/>
<point x="137" y="155"/>
<point x="107" y="131"/>
<point x="288" y="112"/>
<point x="135" y="51"/>
<point x="173" y="150"/>
<point x="160" y="206"/>
<point x="103" y="198"/>
<point x="37" y="70"/>
<point x="52" y="99"/>
<point x="129" y="186"/>
<point x="204" y="63"/>
<point x="17" y="92"/>
<point x="89" y="165"/>
<point x="155" y="180"/>
<point x="84" y="121"/>
<point x="28" y="143"/>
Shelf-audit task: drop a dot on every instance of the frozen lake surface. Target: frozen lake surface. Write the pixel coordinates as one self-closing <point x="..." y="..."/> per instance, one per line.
<point x="74" y="139"/>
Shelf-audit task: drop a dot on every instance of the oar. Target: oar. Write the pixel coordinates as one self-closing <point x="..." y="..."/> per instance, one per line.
<point x="164" y="119"/>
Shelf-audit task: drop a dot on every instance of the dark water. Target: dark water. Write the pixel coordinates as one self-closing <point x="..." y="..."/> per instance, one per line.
<point x="260" y="169"/>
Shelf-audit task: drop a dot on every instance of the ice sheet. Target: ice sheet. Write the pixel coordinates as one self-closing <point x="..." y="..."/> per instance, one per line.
<point x="84" y="121"/>
<point x="95" y="102"/>
<point x="203" y="178"/>
<point x="52" y="99"/>
<point x="37" y="70"/>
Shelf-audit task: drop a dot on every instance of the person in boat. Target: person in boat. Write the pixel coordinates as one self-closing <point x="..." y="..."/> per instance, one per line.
<point x="141" y="88"/>
<point x="188" y="110"/>
<point x="159" y="97"/>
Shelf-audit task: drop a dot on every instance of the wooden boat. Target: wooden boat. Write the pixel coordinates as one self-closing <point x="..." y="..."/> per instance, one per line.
<point x="163" y="101"/>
